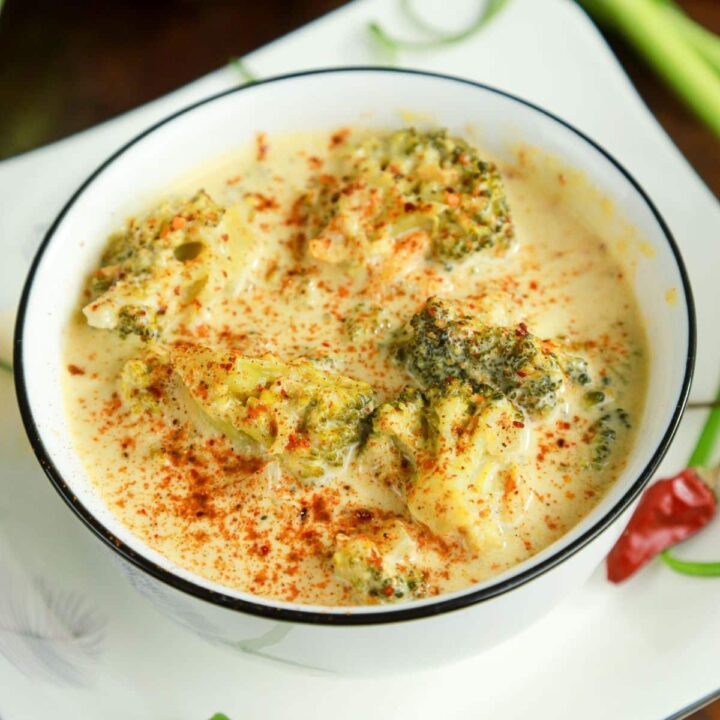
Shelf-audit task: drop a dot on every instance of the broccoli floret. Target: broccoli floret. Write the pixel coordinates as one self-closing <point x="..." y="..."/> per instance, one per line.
<point x="434" y="347"/>
<point x="397" y="436"/>
<point x="463" y="448"/>
<point x="307" y="418"/>
<point x="138" y="320"/>
<point x="576" y="368"/>
<point x="380" y="567"/>
<point x="406" y="181"/>
<point x="468" y="211"/>
<point x="144" y="380"/>
<point x="403" y="420"/>
<point x="172" y="259"/>
<point x="366" y="322"/>
<point x="593" y="398"/>
<point x="468" y="481"/>
<point x="603" y="434"/>
<point x="441" y="343"/>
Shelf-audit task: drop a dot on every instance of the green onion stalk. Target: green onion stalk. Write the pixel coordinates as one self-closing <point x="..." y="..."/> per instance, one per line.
<point x="706" y="43"/>
<point x="245" y="73"/>
<point x="436" y="38"/>
<point x="683" y="52"/>
<point x="701" y="457"/>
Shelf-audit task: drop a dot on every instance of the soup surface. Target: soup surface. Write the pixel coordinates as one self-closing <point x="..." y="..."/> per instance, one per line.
<point x="357" y="367"/>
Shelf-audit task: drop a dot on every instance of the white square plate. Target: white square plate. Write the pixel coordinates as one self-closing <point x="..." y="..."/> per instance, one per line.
<point x="645" y="650"/>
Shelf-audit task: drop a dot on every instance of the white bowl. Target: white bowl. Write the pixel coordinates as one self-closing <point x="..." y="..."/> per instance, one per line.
<point x="357" y="639"/>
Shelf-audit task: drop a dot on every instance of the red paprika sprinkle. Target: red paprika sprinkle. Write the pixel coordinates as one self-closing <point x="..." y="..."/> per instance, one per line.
<point x="669" y="511"/>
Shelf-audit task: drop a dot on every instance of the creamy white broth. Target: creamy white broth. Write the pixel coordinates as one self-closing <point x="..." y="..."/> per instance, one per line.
<point x="249" y="525"/>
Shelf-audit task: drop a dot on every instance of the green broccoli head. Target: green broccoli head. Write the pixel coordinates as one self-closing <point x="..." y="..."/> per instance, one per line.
<point x="381" y="566"/>
<point x="138" y="320"/>
<point x="603" y="434"/>
<point x="173" y="259"/>
<point x="144" y="381"/>
<point x="462" y="446"/>
<point x="365" y="322"/>
<point x="441" y="343"/>
<point x="470" y="481"/>
<point x="395" y="183"/>
<point x="442" y="177"/>
<point x="434" y="345"/>
<point x="403" y="420"/>
<point x="307" y="418"/>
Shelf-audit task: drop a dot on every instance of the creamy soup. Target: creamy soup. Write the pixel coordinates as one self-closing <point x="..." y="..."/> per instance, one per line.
<point x="357" y="367"/>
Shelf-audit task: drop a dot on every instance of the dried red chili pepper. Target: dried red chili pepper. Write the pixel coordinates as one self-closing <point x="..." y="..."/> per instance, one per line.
<point x="669" y="511"/>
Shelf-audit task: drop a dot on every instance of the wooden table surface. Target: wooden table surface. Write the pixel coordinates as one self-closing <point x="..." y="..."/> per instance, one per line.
<point x="65" y="66"/>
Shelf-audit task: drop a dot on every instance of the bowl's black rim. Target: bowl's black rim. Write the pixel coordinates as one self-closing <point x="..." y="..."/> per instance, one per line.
<point x="351" y="617"/>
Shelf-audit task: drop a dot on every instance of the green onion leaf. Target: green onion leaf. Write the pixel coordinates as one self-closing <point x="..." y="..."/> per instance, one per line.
<point x="701" y="456"/>
<point x="247" y="75"/>
<point x="652" y="26"/>
<point x="384" y="42"/>
<point x="437" y="38"/>
<point x="705" y="42"/>
<point x="689" y="567"/>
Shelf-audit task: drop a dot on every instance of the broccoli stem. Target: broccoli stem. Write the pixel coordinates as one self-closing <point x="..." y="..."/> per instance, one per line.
<point x="655" y="32"/>
<point x="6" y="366"/>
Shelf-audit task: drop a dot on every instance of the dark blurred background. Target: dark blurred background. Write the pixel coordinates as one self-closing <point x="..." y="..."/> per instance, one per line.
<point x="68" y="64"/>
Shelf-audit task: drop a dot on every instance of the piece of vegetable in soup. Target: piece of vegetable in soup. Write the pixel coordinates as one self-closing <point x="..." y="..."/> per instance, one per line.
<point x="175" y="257"/>
<point x="394" y="184"/>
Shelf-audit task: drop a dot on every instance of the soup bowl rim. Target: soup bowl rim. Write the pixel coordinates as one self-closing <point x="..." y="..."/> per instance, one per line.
<point x="353" y="615"/>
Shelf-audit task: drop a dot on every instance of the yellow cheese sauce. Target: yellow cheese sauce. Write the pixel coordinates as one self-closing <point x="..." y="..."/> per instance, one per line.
<point x="235" y="512"/>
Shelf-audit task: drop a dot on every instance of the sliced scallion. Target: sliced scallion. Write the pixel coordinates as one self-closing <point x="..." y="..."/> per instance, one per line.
<point x="247" y="75"/>
<point x="704" y="41"/>
<point x="702" y="456"/>
<point x="437" y="38"/>
<point x="676" y="48"/>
